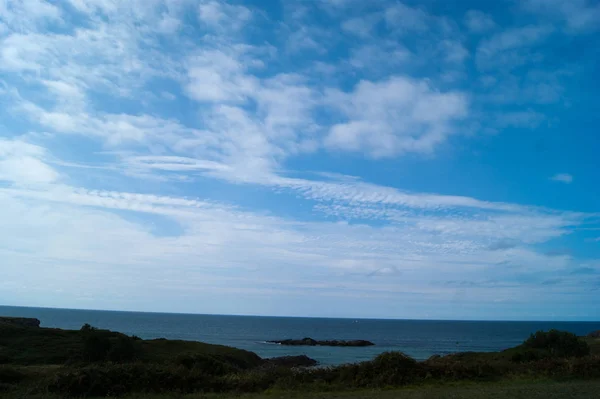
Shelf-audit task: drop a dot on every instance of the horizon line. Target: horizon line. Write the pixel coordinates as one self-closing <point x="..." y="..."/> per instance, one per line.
<point x="303" y="317"/>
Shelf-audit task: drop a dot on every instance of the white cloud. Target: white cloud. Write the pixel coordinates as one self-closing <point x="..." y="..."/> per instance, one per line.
<point x="22" y="163"/>
<point x="535" y="87"/>
<point x="362" y="26"/>
<point x="563" y="178"/>
<point x="217" y="76"/>
<point x="222" y="16"/>
<point x="104" y="55"/>
<point x="304" y="38"/>
<point x="395" y="116"/>
<point x="380" y="57"/>
<point x="579" y="15"/>
<point x="28" y="14"/>
<point x="26" y="170"/>
<point x="69" y="238"/>
<point x="525" y="119"/>
<point x="171" y="163"/>
<point x="455" y="52"/>
<point x="116" y="129"/>
<point x="403" y="18"/>
<point x="479" y="22"/>
<point x="511" y="47"/>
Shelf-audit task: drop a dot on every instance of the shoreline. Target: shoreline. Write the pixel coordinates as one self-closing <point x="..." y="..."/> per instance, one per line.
<point x="95" y="362"/>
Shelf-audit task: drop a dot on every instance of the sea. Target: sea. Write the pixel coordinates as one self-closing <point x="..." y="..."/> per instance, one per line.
<point x="417" y="338"/>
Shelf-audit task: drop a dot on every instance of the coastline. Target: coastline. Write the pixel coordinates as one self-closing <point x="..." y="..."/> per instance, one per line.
<point x="419" y="339"/>
<point x="92" y="362"/>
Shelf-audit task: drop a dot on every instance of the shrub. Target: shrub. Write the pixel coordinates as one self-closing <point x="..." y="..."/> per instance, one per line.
<point x="9" y="375"/>
<point x="558" y="344"/>
<point x="387" y="369"/>
<point x="86" y="328"/>
<point x="396" y="361"/>
<point x="115" y="379"/>
<point x="101" y="345"/>
<point x="123" y="349"/>
<point x="95" y="347"/>
<point x="526" y="355"/>
<point x="205" y="363"/>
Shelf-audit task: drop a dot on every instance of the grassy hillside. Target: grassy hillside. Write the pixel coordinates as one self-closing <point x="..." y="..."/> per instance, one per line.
<point x="506" y="390"/>
<point x="99" y="363"/>
<point x="45" y="346"/>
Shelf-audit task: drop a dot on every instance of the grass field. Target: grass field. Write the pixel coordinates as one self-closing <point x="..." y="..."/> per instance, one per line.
<point x="504" y="390"/>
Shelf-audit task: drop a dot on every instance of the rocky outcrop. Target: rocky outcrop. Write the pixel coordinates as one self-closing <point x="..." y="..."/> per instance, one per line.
<point x="595" y="334"/>
<point x="314" y="342"/>
<point x="20" y="321"/>
<point x="290" y="361"/>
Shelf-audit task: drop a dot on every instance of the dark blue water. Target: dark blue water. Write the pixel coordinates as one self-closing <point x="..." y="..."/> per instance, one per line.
<point x="418" y="338"/>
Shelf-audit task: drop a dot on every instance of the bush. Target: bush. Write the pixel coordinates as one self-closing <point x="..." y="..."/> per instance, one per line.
<point x="387" y="369"/>
<point x="557" y="344"/>
<point x="9" y="375"/>
<point x="95" y="347"/>
<point x="100" y="345"/>
<point x="122" y="350"/>
<point x="114" y="379"/>
<point x="205" y="363"/>
<point x="86" y="328"/>
<point x="526" y="355"/>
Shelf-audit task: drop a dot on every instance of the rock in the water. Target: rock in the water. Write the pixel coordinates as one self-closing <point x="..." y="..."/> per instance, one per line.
<point x="290" y="361"/>
<point x="313" y="342"/>
<point x="20" y="321"/>
<point x="594" y="334"/>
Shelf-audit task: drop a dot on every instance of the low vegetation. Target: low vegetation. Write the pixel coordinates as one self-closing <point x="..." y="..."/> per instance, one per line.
<point x="93" y="362"/>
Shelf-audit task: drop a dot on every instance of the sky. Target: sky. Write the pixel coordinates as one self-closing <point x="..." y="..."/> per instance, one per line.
<point x="331" y="158"/>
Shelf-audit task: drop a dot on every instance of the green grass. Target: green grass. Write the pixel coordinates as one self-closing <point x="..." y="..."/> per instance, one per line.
<point x="594" y="344"/>
<point x="161" y="351"/>
<point x="505" y="390"/>
<point x="48" y="346"/>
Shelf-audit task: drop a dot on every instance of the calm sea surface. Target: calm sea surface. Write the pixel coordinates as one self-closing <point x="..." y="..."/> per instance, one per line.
<point x="417" y="338"/>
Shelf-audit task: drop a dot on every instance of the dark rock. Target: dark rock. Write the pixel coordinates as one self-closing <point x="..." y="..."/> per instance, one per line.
<point x="313" y="342"/>
<point x="594" y="334"/>
<point x="20" y="321"/>
<point x="290" y="361"/>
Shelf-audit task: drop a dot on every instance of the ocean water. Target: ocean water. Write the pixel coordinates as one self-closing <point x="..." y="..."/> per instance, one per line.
<point x="417" y="338"/>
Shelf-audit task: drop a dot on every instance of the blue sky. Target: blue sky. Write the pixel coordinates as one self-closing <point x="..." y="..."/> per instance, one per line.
<point x="341" y="158"/>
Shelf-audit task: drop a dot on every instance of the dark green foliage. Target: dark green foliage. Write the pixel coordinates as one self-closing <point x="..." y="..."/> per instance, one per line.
<point x="27" y="346"/>
<point x="104" y="363"/>
<point x="163" y="350"/>
<point x="9" y="375"/>
<point x="526" y="355"/>
<point x="208" y="364"/>
<point x="557" y="344"/>
<point x="9" y="378"/>
<point x="108" y="380"/>
<point x="86" y="328"/>
<point x="123" y="349"/>
<point x="102" y="345"/>
<point x="95" y="347"/>
<point x="387" y="369"/>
